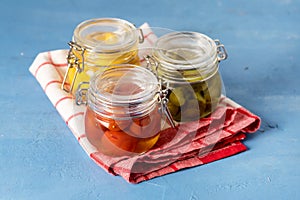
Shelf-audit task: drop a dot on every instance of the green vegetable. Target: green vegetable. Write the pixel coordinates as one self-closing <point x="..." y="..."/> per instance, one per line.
<point x="192" y="101"/>
<point x="177" y="96"/>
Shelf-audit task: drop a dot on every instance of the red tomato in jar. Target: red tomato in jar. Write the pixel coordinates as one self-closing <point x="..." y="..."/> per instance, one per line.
<point x="120" y="140"/>
<point x="93" y="129"/>
<point x="147" y="126"/>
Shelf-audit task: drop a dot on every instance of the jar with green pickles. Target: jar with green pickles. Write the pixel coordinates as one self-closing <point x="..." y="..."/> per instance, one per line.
<point x="187" y="64"/>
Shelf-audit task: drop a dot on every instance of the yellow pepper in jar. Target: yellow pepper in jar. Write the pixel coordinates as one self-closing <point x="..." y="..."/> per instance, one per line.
<point x="99" y="43"/>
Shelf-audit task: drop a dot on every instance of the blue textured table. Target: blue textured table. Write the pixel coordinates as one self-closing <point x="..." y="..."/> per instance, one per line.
<point x="41" y="159"/>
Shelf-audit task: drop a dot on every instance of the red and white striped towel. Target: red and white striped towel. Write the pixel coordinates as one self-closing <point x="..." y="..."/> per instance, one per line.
<point x="191" y="144"/>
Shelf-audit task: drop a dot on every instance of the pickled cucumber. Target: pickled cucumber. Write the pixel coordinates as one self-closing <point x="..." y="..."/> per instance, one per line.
<point x="177" y="96"/>
<point x="192" y="101"/>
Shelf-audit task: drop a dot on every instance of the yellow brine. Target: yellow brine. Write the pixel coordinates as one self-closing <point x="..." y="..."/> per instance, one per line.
<point x="99" y="43"/>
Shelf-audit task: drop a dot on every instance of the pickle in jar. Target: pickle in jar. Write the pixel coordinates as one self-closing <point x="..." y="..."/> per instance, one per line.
<point x="194" y="100"/>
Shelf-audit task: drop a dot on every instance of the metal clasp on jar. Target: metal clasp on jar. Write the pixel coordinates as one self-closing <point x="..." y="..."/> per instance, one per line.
<point x="163" y="100"/>
<point x="221" y="51"/>
<point x="73" y="62"/>
<point x="141" y="36"/>
<point x="81" y="94"/>
<point x="151" y="62"/>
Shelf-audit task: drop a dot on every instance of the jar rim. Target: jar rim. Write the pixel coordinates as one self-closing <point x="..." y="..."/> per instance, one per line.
<point x="199" y="49"/>
<point x="101" y="96"/>
<point x="111" y="35"/>
<point x="186" y="56"/>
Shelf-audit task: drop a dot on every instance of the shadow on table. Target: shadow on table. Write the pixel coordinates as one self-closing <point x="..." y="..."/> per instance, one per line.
<point x="265" y="126"/>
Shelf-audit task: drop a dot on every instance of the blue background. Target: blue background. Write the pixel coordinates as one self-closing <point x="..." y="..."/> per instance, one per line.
<point x="40" y="158"/>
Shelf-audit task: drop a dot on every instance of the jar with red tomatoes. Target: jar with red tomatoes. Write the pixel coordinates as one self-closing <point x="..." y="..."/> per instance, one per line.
<point x="123" y="114"/>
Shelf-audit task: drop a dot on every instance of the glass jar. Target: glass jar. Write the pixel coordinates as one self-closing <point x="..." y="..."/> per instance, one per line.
<point x="187" y="64"/>
<point x="123" y="110"/>
<point x="98" y="43"/>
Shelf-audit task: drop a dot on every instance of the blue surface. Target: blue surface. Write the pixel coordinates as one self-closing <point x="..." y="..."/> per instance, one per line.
<point x="40" y="158"/>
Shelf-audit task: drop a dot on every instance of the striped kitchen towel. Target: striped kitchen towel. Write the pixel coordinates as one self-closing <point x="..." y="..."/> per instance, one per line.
<point x="188" y="145"/>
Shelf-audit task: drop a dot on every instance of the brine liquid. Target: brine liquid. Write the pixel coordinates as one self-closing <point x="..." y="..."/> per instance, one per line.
<point x="99" y="61"/>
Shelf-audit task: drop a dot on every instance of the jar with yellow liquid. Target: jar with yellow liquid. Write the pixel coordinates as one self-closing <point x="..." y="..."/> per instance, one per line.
<point x="98" y="43"/>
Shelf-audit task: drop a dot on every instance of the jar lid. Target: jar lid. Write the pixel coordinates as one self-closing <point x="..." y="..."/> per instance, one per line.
<point x="106" y="35"/>
<point x="190" y="52"/>
<point x="123" y="86"/>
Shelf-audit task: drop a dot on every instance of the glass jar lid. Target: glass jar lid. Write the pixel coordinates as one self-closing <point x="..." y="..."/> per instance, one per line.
<point x="123" y="90"/>
<point x="186" y="55"/>
<point x="106" y="35"/>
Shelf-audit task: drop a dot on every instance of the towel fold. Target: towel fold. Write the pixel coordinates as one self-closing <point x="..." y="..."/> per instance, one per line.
<point x="190" y="144"/>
